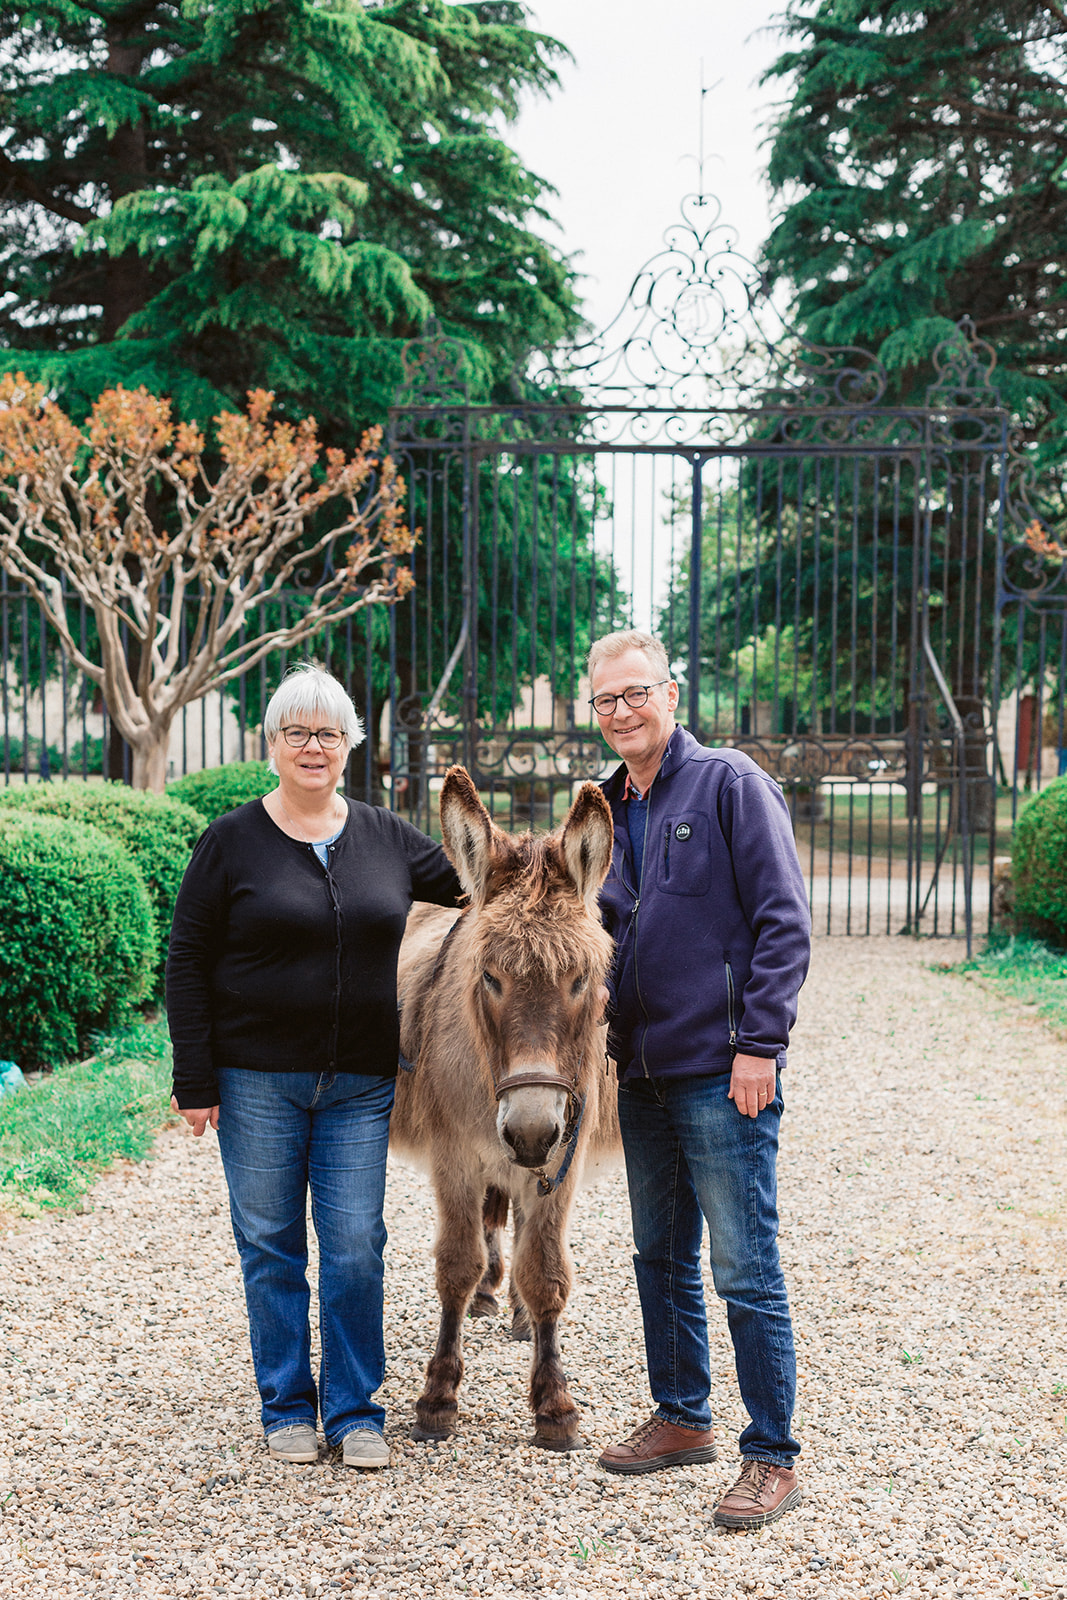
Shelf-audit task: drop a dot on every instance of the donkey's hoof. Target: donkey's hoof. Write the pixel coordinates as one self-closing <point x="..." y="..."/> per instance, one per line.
<point x="557" y="1441"/>
<point x="426" y="1435"/>
<point x="484" y="1305"/>
<point x="521" y="1332"/>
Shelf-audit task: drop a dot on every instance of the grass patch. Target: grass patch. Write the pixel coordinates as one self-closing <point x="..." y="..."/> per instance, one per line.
<point x="1028" y="970"/>
<point x="62" y="1130"/>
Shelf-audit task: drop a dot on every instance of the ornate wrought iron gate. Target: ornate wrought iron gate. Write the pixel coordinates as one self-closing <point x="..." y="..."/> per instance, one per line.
<point x="844" y="588"/>
<point x="824" y="570"/>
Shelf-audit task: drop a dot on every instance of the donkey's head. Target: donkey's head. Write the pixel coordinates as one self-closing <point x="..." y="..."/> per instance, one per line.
<point x="535" y="957"/>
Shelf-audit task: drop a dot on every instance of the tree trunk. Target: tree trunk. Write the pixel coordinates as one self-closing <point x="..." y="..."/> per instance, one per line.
<point x="125" y="275"/>
<point x="150" y="761"/>
<point x="124" y="293"/>
<point x="119" y="753"/>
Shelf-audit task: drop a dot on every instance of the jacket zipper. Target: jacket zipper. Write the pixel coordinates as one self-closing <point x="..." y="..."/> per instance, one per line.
<point x="730" y="1009"/>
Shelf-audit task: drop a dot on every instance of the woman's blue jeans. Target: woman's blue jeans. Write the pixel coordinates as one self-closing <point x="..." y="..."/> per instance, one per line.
<point x="690" y="1156"/>
<point x="281" y="1133"/>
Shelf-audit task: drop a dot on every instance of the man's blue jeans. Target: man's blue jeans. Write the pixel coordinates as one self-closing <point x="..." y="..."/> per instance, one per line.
<point x="691" y="1155"/>
<point x="281" y="1133"/>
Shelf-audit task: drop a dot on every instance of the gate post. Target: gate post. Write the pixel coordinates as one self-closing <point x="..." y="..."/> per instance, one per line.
<point x="695" y="587"/>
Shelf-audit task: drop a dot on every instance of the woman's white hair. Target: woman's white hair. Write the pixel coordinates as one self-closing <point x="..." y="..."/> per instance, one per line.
<point x="315" y="699"/>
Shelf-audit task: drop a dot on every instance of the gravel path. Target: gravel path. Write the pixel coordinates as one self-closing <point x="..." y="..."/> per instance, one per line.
<point x="922" y="1179"/>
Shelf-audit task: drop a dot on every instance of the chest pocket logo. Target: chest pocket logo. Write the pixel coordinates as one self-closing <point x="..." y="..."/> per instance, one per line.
<point x="682" y="831"/>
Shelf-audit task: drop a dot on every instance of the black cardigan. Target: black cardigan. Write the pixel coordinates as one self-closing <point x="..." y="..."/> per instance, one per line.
<point x="281" y="965"/>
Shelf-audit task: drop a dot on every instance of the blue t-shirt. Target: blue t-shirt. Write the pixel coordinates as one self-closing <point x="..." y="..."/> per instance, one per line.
<point x="322" y="848"/>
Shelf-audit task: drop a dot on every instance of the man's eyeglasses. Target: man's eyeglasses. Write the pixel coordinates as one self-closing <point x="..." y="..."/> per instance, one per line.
<point x="634" y="696"/>
<point x="297" y="738"/>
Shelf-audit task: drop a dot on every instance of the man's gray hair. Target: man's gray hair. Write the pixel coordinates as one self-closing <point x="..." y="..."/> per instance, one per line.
<point x="617" y="644"/>
<point x="310" y="696"/>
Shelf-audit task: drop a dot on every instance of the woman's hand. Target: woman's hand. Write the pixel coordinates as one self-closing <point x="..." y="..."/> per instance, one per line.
<point x="199" y="1119"/>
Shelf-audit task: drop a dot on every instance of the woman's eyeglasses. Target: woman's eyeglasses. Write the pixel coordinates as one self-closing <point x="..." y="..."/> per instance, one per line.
<point x="634" y="696"/>
<point x="297" y="738"/>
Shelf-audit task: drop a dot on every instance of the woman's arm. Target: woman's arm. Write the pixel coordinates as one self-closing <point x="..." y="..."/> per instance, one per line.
<point x="433" y="877"/>
<point x="196" y="934"/>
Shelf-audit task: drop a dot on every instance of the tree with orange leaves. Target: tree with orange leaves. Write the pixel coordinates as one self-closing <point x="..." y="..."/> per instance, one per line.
<point x="128" y="514"/>
<point x="1042" y="543"/>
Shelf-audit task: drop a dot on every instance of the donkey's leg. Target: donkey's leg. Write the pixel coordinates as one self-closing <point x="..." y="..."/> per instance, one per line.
<point x="460" y="1253"/>
<point x="494" y="1221"/>
<point x="544" y="1274"/>
<point x="521" y="1330"/>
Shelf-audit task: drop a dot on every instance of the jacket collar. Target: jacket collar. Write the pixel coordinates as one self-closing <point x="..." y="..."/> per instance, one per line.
<point x="680" y="747"/>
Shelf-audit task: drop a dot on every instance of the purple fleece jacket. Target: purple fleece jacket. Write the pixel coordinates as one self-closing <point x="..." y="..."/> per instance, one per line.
<point x="712" y="947"/>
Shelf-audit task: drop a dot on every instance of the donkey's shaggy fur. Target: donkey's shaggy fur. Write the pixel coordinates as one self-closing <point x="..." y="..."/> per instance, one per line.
<point x="516" y="990"/>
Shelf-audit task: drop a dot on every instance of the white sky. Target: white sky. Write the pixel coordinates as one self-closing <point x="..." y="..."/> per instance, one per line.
<point x="619" y="140"/>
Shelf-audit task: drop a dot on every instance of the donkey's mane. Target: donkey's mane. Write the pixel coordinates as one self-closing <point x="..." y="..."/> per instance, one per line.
<point x="534" y="921"/>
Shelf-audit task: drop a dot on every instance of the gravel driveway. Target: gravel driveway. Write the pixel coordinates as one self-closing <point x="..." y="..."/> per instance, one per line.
<point x="922" y="1177"/>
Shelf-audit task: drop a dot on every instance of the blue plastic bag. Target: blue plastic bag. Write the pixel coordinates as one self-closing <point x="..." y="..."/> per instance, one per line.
<point x="10" y="1077"/>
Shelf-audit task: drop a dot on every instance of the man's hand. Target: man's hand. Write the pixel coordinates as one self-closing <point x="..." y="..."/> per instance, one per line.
<point x="752" y="1084"/>
<point x="199" y="1119"/>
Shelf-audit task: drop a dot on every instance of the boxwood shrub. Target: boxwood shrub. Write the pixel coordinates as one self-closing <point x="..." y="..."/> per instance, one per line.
<point x="158" y="832"/>
<point x="220" y="789"/>
<point x="1039" y="864"/>
<point x="77" y="936"/>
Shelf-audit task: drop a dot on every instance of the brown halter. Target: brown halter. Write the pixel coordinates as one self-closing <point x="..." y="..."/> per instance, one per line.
<point x="572" y="1126"/>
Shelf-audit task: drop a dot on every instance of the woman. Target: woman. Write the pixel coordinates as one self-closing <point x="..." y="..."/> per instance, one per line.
<point x="281" y="997"/>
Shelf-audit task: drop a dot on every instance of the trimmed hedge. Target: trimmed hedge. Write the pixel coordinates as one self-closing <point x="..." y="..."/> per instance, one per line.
<point x="1039" y="863"/>
<point x="87" y="752"/>
<point x="77" y="936"/>
<point x="158" y="832"/>
<point x="217" y="790"/>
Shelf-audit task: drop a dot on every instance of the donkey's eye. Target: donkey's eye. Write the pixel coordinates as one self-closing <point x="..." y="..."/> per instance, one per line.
<point x="578" y="985"/>
<point x="491" y="983"/>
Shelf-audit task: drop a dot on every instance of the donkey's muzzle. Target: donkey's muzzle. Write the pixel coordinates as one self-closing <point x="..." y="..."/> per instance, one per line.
<point x="532" y="1119"/>
<point x="532" y="1146"/>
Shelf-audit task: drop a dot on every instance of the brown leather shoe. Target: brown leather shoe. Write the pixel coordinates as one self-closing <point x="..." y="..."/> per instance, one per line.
<point x="763" y="1493"/>
<point x="658" y="1444"/>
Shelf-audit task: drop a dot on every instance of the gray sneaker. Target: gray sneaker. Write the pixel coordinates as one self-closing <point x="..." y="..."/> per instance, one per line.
<point x="365" y="1447"/>
<point x="296" y="1443"/>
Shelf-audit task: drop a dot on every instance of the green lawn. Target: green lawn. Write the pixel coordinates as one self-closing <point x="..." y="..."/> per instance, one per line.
<point x="65" y="1127"/>
<point x="1028" y="972"/>
<point x="875" y="822"/>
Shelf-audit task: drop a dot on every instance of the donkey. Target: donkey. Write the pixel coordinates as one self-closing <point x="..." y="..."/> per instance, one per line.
<point x="509" y="1099"/>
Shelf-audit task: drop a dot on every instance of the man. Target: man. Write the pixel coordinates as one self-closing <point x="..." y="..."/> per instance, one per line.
<point x="709" y="914"/>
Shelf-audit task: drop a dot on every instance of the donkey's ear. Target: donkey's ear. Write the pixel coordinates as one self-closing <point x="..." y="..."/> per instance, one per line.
<point x="468" y="831"/>
<point x="586" y="842"/>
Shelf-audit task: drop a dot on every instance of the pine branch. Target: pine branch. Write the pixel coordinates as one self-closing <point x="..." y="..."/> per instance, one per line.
<point x="23" y="184"/>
